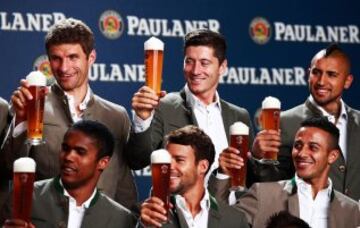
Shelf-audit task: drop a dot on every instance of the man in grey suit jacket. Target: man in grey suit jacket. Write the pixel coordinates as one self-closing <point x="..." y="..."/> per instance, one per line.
<point x="4" y="118"/>
<point x="70" y="48"/>
<point x="310" y="195"/>
<point x="198" y="103"/>
<point x="4" y="122"/>
<point x="192" y="153"/>
<point x="329" y="76"/>
<point x="72" y="199"/>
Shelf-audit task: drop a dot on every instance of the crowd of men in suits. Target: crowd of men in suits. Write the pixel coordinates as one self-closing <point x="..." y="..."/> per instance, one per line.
<point x="97" y="145"/>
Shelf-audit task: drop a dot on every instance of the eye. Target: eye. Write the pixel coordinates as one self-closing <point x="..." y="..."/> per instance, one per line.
<point x="316" y="72"/>
<point x="65" y="147"/>
<point x="205" y="63"/>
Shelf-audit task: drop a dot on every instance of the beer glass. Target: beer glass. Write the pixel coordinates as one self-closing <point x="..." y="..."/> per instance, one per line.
<point x="154" y="49"/>
<point x="160" y="172"/>
<point x="239" y="139"/>
<point x="35" y="107"/>
<point x="270" y="120"/>
<point x="23" y="185"/>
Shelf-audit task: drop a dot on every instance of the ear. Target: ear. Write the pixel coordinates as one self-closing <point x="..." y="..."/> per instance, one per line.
<point x="223" y="67"/>
<point x="92" y="57"/>
<point x="203" y="166"/>
<point x="348" y="81"/>
<point x="333" y="156"/>
<point x="103" y="163"/>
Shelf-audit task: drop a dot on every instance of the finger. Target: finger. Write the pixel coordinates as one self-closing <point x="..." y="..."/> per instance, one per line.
<point x="26" y="93"/>
<point x="24" y="83"/>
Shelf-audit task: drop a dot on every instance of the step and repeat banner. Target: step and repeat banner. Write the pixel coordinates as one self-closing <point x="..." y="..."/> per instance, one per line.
<point x="270" y="45"/>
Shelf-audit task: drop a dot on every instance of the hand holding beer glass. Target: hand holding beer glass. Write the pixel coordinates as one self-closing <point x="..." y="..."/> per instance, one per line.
<point x="35" y="107"/>
<point x="154" y="49"/>
<point x="23" y="185"/>
<point x="270" y="120"/>
<point x="239" y="139"/>
<point x="160" y="172"/>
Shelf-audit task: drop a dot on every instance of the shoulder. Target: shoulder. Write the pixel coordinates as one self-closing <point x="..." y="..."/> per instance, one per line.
<point x="294" y="112"/>
<point x="233" y="107"/>
<point x="346" y="202"/>
<point x="111" y="206"/>
<point x="108" y="105"/>
<point x="3" y="102"/>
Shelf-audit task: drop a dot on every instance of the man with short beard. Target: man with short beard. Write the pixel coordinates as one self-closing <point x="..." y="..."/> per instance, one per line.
<point x="192" y="154"/>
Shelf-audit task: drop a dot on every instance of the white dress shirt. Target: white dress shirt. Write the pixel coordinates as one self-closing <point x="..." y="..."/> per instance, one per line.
<point x="201" y="219"/>
<point x="341" y="123"/>
<point x="313" y="211"/>
<point x="76" y="213"/>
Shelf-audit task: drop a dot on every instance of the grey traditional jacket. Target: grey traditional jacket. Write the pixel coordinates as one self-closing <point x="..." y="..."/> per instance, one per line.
<point x="116" y="181"/>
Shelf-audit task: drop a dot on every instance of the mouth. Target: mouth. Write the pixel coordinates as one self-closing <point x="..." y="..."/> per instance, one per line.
<point x="68" y="170"/>
<point x="303" y="163"/>
<point x="196" y="80"/>
<point x="321" y="91"/>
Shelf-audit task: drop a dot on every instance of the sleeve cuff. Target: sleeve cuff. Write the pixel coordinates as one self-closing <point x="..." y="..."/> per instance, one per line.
<point x="141" y="125"/>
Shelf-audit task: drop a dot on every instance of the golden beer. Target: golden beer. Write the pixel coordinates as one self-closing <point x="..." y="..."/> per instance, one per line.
<point x="35" y="107"/>
<point x="160" y="172"/>
<point x="23" y="185"/>
<point x="154" y="54"/>
<point x="270" y="120"/>
<point x="239" y="139"/>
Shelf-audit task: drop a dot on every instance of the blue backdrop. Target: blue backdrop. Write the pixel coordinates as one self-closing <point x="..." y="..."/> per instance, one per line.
<point x="270" y="44"/>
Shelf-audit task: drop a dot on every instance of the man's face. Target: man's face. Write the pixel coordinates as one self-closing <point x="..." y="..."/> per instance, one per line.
<point x="184" y="170"/>
<point x="328" y="77"/>
<point x="70" y="65"/>
<point x="202" y="70"/>
<point x="79" y="165"/>
<point x="312" y="154"/>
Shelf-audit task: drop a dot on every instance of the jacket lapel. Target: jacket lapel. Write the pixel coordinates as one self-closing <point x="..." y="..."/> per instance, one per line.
<point x="293" y="202"/>
<point x="214" y="215"/>
<point x="186" y="108"/>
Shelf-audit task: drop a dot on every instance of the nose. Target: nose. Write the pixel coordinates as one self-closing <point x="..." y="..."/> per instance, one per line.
<point x="68" y="155"/>
<point x="64" y="65"/>
<point x="196" y="68"/>
<point x="321" y="79"/>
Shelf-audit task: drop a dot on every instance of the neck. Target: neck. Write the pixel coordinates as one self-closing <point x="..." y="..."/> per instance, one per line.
<point x="79" y="95"/>
<point x="193" y="198"/>
<point x="317" y="185"/>
<point x="333" y="108"/>
<point x="81" y="193"/>
<point x="207" y="98"/>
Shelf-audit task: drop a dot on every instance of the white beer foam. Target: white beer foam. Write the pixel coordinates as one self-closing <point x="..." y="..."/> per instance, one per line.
<point x="160" y="156"/>
<point x="24" y="165"/>
<point x="154" y="44"/>
<point x="271" y="102"/>
<point x="36" y="78"/>
<point x="239" y="128"/>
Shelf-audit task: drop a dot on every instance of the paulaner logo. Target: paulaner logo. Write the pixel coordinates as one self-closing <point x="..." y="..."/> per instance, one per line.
<point x="42" y="64"/>
<point x="111" y="24"/>
<point x="260" y="30"/>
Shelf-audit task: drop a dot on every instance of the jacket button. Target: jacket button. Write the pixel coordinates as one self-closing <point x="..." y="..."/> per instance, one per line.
<point x="342" y="168"/>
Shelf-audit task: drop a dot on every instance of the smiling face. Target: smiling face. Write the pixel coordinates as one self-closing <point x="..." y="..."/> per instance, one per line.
<point x="202" y="71"/>
<point x="312" y="154"/>
<point x="328" y="77"/>
<point x="186" y="173"/>
<point x="70" y="66"/>
<point x="79" y="165"/>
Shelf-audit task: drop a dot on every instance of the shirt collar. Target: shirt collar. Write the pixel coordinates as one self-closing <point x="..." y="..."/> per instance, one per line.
<point x="204" y="203"/>
<point x="343" y="113"/>
<point x="192" y="100"/>
<point x="300" y="183"/>
<point x="86" y="204"/>
<point x="83" y="105"/>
